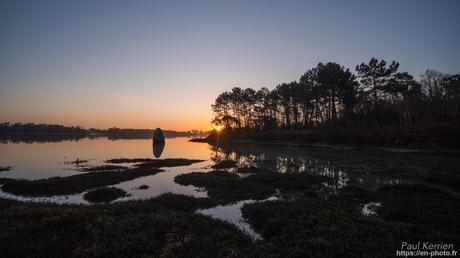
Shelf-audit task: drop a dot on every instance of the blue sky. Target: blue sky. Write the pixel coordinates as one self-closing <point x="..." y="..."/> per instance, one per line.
<point x="162" y="63"/>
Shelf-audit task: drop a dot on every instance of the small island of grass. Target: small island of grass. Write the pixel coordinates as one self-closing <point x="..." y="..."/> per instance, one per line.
<point x="104" y="195"/>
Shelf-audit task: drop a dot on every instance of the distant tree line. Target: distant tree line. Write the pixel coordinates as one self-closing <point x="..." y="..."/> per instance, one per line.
<point x="27" y="128"/>
<point x="331" y="95"/>
<point x="32" y="129"/>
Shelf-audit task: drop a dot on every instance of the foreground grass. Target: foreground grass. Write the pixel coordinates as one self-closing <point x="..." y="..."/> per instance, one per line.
<point x="154" y="228"/>
<point x="314" y="227"/>
<point x="167" y="226"/>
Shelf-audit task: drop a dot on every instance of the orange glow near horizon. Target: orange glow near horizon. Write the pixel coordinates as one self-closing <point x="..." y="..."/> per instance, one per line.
<point x="218" y="128"/>
<point x="140" y="115"/>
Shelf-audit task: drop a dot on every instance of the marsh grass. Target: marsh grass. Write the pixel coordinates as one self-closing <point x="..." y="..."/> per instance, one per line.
<point x="155" y="163"/>
<point x="162" y="227"/>
<point x="104" y="168"/>
<point x="72" y="184"/>
<point x="229" y="187"/>
<point x="77" y="162"/>
<point x="143" y="187"/>
<point x="104" y="194"/>
<point x="334" y="227"/>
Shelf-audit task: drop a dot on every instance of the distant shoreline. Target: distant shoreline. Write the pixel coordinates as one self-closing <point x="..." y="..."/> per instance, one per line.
<point x="26" y="132"/>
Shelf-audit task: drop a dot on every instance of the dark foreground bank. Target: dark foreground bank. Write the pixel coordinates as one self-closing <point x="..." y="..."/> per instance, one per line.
<point x="306" y="222"/>
<point x="167" y="226"/>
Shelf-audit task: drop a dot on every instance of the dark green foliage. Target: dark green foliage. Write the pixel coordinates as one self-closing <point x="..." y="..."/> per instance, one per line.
<point x="105" y="194"/>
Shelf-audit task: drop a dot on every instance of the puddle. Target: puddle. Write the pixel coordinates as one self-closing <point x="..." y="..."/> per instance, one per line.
<point x="370" y="209"/>
<point x="232" y="213"/>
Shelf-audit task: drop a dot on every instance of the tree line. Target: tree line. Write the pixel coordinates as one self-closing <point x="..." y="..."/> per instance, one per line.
<point x="8" y="128"/>
<point x="331" y="95"/>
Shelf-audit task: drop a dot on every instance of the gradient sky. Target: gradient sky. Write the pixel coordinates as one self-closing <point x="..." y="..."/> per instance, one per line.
<point x="145" y="64"/>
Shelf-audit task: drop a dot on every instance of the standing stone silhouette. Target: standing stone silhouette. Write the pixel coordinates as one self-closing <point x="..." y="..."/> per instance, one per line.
<point x="158" y="142"/>
<point x="158" y="136"/>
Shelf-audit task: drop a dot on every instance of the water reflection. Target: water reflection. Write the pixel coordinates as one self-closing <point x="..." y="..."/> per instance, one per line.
<point x="43" y="160"/>
<point x="367" y="169"/>
<point x="158" y="148"/>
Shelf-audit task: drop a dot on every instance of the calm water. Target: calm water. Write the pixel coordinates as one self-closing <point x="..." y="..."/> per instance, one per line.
<point x="42" y="160"/>
<point x="368" y="168"/>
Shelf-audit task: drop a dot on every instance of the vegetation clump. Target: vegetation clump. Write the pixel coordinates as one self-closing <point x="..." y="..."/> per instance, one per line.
<point x="155" y="163"/>
<point x="127" y="160"/>
<point x="105" y="194"/>
<point x="104" y="168"/>
<point x="2" y="169"/>
<point x="224" y="164"/>
<point x="77" y="162"/>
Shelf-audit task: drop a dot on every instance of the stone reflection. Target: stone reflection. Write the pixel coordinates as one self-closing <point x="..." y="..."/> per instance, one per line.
<point x="158" y="148"/>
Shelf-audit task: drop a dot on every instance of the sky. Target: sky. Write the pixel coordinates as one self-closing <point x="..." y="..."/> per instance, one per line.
<point x="147" y="64"/>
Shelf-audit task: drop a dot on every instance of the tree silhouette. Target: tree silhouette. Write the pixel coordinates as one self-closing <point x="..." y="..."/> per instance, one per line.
<point x="330" y="95"/>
